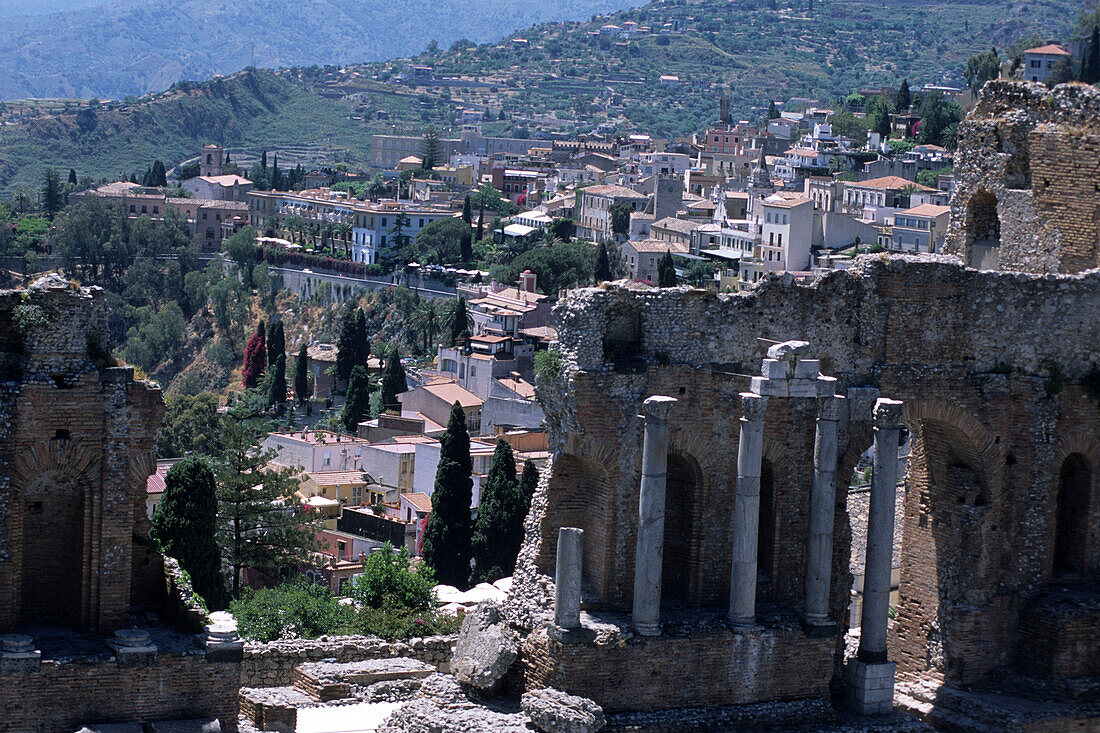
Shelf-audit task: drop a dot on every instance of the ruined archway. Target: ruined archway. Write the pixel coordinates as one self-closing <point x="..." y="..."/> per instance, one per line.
<point x="53" y="551"/>
<point x="1072" y="516"/>
<point x="579" y="494"/>
<point x="982" y="231"/>
<point x="681" y="574"/>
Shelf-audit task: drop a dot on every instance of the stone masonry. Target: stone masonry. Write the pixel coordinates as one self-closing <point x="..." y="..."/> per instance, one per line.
<point x="997" y="373"/>
<point x="1027" y="179"/>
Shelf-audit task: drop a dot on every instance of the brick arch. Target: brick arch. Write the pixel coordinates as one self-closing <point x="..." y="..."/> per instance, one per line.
<point x="683" y="573"/>
<point x="55" y="494"/>
<point x="1076" y="505"/>
<point x="954" y="494"/>
<point x="580" y="494"/>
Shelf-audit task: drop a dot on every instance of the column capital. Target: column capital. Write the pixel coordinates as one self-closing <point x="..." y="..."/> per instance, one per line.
<point x="657" y="407"/>
<point x="830" y="407"/>
<point x="753" y="407"/>
<point x="887" y="413"/>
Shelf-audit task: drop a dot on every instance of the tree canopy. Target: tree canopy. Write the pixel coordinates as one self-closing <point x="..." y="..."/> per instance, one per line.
<point x="446" y="543"/>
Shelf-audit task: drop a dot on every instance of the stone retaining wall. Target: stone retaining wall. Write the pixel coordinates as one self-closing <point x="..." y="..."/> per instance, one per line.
<point x="272" y="664"/>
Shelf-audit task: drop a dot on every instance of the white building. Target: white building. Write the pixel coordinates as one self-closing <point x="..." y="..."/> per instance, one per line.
<point x="1039" y="62"/>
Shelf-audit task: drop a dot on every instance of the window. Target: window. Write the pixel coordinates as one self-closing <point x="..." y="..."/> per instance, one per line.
<point x="326" y="458"/>
<point x="357" y="495"/>
<point x="1036" y="64"/>
<point x="156" y="209"/>
<point x="144" y="209"/>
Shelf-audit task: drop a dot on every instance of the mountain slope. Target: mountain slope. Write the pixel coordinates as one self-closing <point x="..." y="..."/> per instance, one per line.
<point x="134" y="46"/>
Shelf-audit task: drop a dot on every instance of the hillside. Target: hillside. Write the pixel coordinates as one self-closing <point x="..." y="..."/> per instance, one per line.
<point x="90" y="48"/>
<point x="562" y="77"/>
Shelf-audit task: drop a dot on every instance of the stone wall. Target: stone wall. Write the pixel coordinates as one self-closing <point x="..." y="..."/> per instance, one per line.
<point x="67" y="693"/>
<point x="998" y="372"/>
<point x="78" y="440"/>
<point x="272" y="664"/>
<point x="1027" y="173"/>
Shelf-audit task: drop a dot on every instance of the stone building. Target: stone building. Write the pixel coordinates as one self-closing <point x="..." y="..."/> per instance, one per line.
<point x="79" y="582"/>
<point x="1027" y="179"/>
<point x="1001" y="536"/>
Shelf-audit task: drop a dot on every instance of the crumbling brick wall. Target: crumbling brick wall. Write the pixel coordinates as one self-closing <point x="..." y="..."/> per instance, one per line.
<point x="995" y="369"/>
<point x="1030" y="157"/>
<point x="78" y="441"/>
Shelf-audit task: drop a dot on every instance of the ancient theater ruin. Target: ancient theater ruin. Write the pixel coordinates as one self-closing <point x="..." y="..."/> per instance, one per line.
<point x="702" y="446"/>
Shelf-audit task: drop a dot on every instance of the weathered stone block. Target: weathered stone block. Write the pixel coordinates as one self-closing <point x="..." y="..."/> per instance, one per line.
<point x="486" y="647"/>
<point x="553" y="711"/>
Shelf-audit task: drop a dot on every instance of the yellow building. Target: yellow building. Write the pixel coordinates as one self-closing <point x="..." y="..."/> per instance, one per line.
<point x="350" y="488"/>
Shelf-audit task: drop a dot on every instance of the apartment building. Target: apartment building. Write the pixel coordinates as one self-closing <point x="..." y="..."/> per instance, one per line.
<point x="594" y="209"/>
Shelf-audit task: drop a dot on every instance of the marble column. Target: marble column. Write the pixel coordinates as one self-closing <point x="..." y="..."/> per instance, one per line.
<point x="819" y="553"/>
<point x="870" y="676"/>
<point x="649" y="555"/>
<point x="567" y="578"/>
<point x="746" y="510"/>
<point x="880" y="533"/>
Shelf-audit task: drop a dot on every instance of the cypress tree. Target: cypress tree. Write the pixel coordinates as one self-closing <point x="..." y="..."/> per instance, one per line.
<point x="185" y="527"/>
<point x="276" y="176"/>
<point x="276" y="342"/>
<point x="446" y="544"/>
<point x="467" y="211"/>
<point x="666" y="271"/>
<point x="357" y="406"/>
<point x="255" y="358"/>
<point x="603" y="264"/>
<point x="394" y="382"/>
<point x="301" y="375"/>
<point x="903" y="100"/>
<point x="362" y="340"/>
<point x="773" y="112"/>
<point x="1090" y="64"/>
<point x="159" y="176"/>
<point x="460" y="321"/>
<point x="277" y="394"/>
<point x="347" y="350"/>
<point x="481" y="220"/>
<point x="263" y="160"/>
<point x="72" y="176"/>
<point x="528" y="482"/>
<point x="499" y="520"/>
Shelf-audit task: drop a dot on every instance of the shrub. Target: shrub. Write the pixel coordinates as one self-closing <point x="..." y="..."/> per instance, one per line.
<point x="547" y="365"/>
<point x="388" y="582"/>
<point x="295" y="609"/>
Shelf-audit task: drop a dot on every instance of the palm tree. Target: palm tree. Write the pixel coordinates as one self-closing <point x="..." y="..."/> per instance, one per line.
<point x="344" y="230"/>
<point x="426" y="319"/>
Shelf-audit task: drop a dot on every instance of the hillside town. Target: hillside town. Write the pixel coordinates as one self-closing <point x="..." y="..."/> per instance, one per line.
<point x="787" y="424"/>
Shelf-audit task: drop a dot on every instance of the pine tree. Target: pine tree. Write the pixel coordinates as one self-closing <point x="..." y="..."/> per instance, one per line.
<point x="430" y="149"/>
<point x="903" y="100"/>
<point x="666" y="271"/>
<point x="773" y="112"/>
<point x="499" y="520"/>
<point x="394" y="382"/>
<point x="277" y="393"/>
<point x="260" y="522"/>
<point x="53" y="196"/>
<point x="185" y="527"/>
<point x="357" y="406"/>
<point x="446" y="543"/>
<point x="347" y="349"/>
<point x="602" y="271"/>
<point x="276" y="342"/>
<point x="72" y="177"/>
<point x="255" y="358"/>
<point x="528" y="482"/>
<point x="467" y="211"/>
<point x="301" y="375"/>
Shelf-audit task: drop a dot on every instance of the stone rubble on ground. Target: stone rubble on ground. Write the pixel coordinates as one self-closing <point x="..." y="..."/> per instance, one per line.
<point x="485" y="648"/>
<point x="553" y="711"/>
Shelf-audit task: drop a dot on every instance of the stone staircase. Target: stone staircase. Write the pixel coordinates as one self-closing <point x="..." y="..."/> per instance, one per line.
<point x="952" y="709"/>
<point x="329" y="682"/>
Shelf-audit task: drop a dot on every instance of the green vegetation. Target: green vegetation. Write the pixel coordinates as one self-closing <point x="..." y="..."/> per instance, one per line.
<point x="498" y="532"/>
<point x="446" y="543"/>
<point x="547" y="365"/>
<point x="185" y="525"/>
<point x="388" y="582"/>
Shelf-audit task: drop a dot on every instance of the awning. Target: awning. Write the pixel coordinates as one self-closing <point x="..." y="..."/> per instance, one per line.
<point x="518" y="230"/>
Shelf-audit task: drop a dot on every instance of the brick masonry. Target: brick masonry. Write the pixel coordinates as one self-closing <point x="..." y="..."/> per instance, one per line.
<point x="995" y="369"/>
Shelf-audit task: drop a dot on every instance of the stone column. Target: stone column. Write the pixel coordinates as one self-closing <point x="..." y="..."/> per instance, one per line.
<point x="567" y="578"/>
<point x="819" y="551"/>
<point x="746" y="510"/>
<point x="870" y="677"/>
<point x="649" y="556"/>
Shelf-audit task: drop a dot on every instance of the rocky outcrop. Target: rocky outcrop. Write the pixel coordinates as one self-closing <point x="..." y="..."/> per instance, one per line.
<point x="553" y="711"/>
